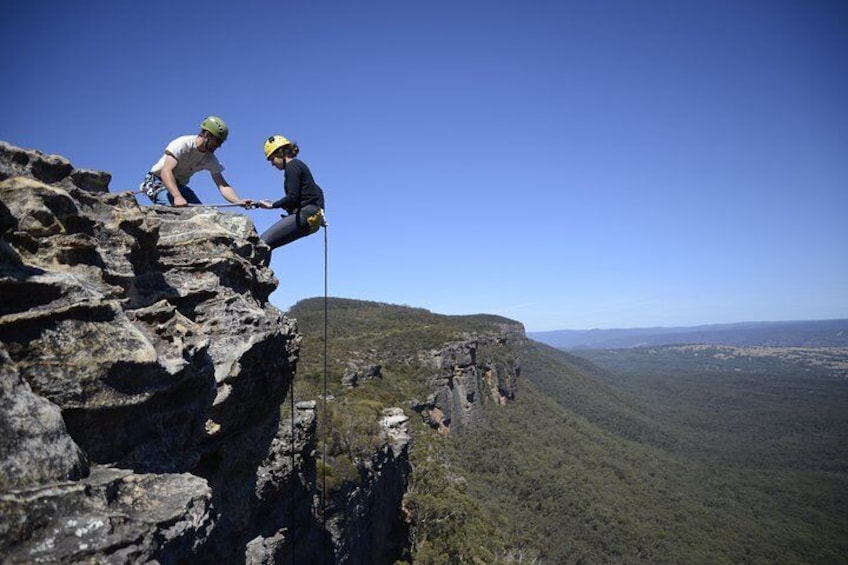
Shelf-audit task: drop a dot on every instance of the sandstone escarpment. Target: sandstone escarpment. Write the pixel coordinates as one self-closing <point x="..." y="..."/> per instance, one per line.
<point x="142" y="373"/>
<point x="145" y="409"/>
<point x="467" y="374"/>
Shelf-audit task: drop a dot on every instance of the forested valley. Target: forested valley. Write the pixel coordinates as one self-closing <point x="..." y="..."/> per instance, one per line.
<point x="661" y="457"/>
<point x="673" y="454"/>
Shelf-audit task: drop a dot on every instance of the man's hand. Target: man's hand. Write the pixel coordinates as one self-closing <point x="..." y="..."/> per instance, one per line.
<point x="267" y="204"/>
<point x="179" y="202"/>
<point x="248" y="204"/>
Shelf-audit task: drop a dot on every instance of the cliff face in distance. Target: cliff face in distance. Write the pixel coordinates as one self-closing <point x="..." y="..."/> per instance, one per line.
<point x="145" y="412"/>
<point x="451" y="366"/>
<point x="462" y="385"/>
<point x="449" y="372"/>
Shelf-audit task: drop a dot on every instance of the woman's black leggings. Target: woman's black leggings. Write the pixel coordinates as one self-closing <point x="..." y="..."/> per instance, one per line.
<point x="290" y="228"/>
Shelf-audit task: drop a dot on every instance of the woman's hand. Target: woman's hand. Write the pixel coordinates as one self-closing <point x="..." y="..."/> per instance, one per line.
<point x="267" y="204"/>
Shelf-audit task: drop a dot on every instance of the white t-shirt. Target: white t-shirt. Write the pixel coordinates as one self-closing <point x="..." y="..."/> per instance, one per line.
<point x="189" y="159"/>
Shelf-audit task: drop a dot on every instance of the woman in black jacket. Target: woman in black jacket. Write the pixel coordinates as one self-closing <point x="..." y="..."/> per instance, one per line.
<point x="303" y="200"/>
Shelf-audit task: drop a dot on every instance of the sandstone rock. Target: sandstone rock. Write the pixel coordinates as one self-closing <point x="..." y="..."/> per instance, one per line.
<point x="50" y="169"/>
<point x="112" y="516"/>
<point x="35" y="447"/>
<point x="354" y="374"/>
<point x="143" y="390"/>
<point x="124" y="330"/>
<point x="394" y="428"/>
<point x="464" y="378"/>
<point x="365" y="525"/>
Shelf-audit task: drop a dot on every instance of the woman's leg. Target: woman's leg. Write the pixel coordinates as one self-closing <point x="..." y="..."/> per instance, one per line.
<point x="285" y="231"/>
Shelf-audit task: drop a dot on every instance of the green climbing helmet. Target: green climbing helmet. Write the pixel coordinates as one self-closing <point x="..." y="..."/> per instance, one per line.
<point x="216" y="126"/>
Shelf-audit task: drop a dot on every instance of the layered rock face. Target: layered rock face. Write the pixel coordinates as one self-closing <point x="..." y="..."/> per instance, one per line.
<point x="142" y="373"/>
<point x="366" y="525"/>
<point x="467" y="374"/>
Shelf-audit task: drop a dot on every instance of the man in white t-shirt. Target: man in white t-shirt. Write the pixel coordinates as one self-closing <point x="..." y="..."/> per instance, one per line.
<point x="167" y="181"/>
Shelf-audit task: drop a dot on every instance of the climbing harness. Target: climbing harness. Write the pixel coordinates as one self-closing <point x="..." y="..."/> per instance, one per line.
<point x="151" y="185"/>
<point x="316" y="221"/>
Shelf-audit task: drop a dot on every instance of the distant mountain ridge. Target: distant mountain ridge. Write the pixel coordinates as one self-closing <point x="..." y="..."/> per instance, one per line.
<point x="804" y="333"/>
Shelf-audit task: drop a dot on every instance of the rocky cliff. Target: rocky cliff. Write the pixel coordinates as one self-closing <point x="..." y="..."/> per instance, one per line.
<point x="145" y="381"/>
<point x="467" y="374"/>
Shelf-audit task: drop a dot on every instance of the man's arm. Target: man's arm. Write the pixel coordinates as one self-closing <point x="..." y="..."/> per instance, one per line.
<point x="170" y="182"/>
<point x="228" y="192"/>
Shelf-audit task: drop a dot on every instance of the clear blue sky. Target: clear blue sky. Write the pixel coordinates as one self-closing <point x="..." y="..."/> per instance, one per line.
<point x="568" y="164"/>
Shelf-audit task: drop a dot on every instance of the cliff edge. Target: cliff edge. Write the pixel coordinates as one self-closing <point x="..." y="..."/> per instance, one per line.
<point x="145" y="389"/>
<point x="143" y="371"/>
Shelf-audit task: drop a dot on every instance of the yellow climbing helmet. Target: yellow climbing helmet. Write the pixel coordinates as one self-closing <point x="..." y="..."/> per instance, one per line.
<point x="217" y="127"/>
<point x="273" y="143"/>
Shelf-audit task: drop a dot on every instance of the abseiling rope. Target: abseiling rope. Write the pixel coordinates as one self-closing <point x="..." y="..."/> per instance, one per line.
<point x="326" y="416"/>
<point x="327" y="550"/>
<point x="293" y="444"/>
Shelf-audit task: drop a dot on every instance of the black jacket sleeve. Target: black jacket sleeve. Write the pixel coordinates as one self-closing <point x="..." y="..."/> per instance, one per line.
<point x="293" y="185"/>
